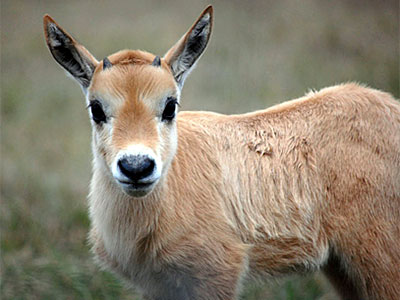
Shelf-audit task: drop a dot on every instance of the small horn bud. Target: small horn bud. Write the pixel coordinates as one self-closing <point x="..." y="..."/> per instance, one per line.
<point x="156" y="62"/>
<point x="106" y="63"/>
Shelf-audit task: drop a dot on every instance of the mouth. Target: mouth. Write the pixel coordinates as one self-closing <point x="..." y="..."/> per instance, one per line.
<point x="136" y="189"/>
<point x="135" y="185"/>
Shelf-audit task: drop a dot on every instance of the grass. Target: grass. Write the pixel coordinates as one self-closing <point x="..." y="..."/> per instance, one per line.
<point x="261" y="53"/>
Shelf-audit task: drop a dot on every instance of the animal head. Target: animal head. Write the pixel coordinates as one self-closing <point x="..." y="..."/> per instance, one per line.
<point x="132" y="98"/>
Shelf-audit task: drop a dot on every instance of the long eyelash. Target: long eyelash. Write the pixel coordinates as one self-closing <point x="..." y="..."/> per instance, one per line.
<point x="174" y="100"/>
<point x="90" y="104"/>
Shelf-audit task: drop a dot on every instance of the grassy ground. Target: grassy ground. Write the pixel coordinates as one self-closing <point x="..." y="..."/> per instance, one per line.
<point x="261" y="53"/>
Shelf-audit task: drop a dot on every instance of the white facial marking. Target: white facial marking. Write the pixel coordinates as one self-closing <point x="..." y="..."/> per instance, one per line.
<point x="144" y="185"/>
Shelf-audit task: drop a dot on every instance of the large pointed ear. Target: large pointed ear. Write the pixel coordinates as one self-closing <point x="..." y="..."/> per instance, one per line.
<point x="72" y="56"/>
<point x="183" y="56"/>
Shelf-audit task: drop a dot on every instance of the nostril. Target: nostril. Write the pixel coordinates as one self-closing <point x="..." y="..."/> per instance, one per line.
<point x="125" y="167"/>
<point x="147" y="167"/>
<point x="136" y="167"/>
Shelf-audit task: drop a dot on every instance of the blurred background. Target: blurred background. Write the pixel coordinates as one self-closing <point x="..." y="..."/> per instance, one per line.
<point x="261" y="53"/>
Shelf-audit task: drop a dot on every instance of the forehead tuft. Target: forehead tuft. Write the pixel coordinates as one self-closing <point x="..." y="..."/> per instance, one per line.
<point x="134" y="57"/>
<point x="132" y="74"/>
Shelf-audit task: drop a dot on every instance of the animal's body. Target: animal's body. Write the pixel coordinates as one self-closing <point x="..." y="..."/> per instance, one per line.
<point x="310" y="184"/>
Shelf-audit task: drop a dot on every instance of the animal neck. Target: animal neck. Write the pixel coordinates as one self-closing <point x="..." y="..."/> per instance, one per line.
<point x="193" y="176"/>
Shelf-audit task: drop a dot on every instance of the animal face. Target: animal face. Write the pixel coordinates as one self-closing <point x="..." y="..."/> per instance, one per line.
<point x="133" y="106"/>
<point x="132" y="98"/>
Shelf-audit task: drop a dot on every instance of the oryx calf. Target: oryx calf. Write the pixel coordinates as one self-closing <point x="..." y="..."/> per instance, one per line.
<point x="187" y="206"/>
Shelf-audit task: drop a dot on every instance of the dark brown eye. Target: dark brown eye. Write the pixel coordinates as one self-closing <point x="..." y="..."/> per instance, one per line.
<point x="169" y="110"/>
<point x="97" y="112"/>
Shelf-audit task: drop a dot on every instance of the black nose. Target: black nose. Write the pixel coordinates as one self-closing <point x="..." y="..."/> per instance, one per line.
<point x="136" y="167"/>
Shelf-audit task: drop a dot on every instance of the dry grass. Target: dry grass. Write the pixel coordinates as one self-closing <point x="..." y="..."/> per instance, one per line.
<point x="261" y="53"/>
